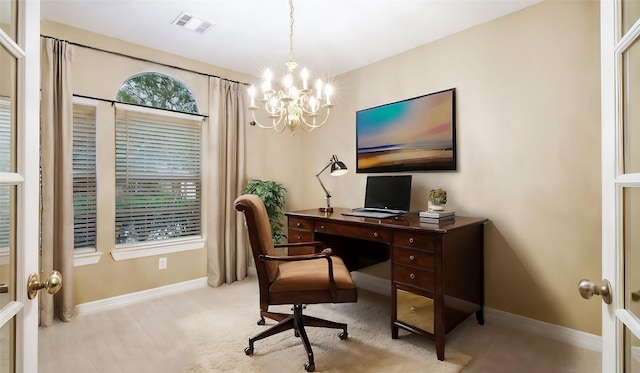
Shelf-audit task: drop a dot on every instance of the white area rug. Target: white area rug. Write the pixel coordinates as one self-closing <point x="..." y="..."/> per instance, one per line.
<point x="217" y="341"/>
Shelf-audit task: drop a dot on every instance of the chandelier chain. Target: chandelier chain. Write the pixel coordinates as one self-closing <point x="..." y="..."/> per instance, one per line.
<point x="291" y="31"/>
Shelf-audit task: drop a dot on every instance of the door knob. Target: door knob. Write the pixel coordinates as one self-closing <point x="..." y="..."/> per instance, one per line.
<point x="588" y="289"/>
<point x="52" y="284"/>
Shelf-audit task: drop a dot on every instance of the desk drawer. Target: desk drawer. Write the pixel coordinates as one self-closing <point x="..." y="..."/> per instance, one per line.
<point x="363" y="233"/>
<point x="296" y="235"/>
<point x="415" y="310"/>
<point x="416" y="258"/>
<point x="415" y="277"/>
<point x="415" y="241"/>
<point x="300" y="223"/>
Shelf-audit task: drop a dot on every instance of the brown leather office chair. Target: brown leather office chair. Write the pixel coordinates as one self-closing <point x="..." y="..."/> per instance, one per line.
<point x="298" y="280"/>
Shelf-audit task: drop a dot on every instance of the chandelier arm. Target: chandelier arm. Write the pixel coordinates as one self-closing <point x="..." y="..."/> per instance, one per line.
<point x="311" y="126"/>
<point x="274" y="125"/>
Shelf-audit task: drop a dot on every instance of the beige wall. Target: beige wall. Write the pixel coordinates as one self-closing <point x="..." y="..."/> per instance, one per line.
<point x="528" y="134"/>
<point x="528" y="153"/>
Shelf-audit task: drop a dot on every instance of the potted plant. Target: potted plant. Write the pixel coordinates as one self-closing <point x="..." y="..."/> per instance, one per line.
<point x="272" y="195"/>
<point x="437" y="199"/>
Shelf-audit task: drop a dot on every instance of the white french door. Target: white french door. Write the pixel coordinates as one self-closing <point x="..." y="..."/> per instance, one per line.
<point x="19" y="181"/>
<point x="620" y="64"/>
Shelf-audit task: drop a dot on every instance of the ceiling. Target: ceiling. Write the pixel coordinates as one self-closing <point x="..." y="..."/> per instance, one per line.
<point x="331" y="37"/>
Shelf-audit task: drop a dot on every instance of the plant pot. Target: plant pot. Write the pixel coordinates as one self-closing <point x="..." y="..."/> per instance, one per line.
<point x="436" y="207"/>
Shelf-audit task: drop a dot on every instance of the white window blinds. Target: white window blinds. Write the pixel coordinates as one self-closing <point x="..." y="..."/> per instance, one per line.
<point x="5" y="166"/>
<point x="158" y="177"/>
<point x="84" y="176"/>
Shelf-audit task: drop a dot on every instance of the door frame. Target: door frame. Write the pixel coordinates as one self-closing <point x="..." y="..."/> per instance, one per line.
<point x="614" y="316"/>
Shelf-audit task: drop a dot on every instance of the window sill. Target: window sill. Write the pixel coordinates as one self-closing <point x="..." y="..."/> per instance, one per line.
<point x="141" y="250"/>
<point x="86" y="257"/>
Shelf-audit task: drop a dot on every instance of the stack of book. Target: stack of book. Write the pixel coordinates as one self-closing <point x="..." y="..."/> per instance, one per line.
<point x="437" y="217"/>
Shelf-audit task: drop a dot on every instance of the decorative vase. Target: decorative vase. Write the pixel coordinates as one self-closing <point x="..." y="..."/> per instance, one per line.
<point x="436" y="207"/>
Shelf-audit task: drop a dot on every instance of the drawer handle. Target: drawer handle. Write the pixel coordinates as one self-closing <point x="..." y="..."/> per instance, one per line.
<point x="412" y="276"/>
<point x="411" y="239"/>
<point x="322" y="227"/>
<point x="413" y="308"/>
<point x="299" y="238"/>
<point x="297" y="225"/>
<point x="412" y="258"/>
<point x="375" y="234"/>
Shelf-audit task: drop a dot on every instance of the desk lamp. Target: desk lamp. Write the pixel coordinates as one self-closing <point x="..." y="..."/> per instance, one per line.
<point x="337" y="169"/>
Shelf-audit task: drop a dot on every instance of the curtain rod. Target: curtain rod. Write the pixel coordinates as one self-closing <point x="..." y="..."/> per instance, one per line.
<point x="112" y="102"/>
<point x="142" y="59"/>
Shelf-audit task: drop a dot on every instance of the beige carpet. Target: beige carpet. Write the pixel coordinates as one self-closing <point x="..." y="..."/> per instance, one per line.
<point x="217" y="341"/>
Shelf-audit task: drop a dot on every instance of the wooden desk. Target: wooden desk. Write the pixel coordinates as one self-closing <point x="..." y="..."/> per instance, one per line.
<point x="437" y="271"/>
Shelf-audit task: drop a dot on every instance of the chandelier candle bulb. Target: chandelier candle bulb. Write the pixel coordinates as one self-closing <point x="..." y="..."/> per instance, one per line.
<point x="267" y="80"/>
<point x="328" y="91"/>
<point x="252" y="94"/>
<point x="305" y="78"/>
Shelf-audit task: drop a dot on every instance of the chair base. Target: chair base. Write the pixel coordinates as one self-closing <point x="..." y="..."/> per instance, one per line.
<point x="296" y="321"/>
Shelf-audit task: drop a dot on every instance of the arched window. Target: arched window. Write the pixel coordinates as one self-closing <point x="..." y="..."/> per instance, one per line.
<point x="158" y="91"/>
<point x="158" y="161"/>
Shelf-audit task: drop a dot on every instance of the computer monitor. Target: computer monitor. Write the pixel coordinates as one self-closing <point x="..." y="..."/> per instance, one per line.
<point x="388" y="192"/>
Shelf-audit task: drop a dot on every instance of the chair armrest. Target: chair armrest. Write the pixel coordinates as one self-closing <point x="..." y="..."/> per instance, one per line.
<point x="325" y="254"/>
<point x="295" y="244"/>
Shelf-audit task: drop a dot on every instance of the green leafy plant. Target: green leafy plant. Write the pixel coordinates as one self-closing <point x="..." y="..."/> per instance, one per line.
<point x="438" y="196"/>
<point x="272" y="195"/>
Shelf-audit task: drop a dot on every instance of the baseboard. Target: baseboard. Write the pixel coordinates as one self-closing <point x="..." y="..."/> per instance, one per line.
<point x="562" y="334"/>
<point x="559" y="333"/>
<point x="131" y="298"/>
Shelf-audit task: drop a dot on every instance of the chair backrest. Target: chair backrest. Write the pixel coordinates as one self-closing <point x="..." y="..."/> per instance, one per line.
<point x="259" y="230"/>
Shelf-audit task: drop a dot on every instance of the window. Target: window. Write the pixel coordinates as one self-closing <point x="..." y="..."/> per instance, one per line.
<point x="158" y="91"/>
<point x="84" y="176"/>
<point x="5" y="166"/>
<point x="158" y="154"/>
<point x="158" y="177"/>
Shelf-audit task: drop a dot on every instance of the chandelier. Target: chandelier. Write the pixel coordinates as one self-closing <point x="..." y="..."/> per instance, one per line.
<point x="288" y="106"/>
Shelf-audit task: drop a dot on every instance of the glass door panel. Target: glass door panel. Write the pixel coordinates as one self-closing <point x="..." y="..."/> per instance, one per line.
<point x="7" y="244"/>
<point x="8" y="16"/>
<point x="631" y="114"/>
<point x="632" y="250"/>
<point x="631" y="352"/>
<point x="630" y="14"/>
<point x="7" y="341"/>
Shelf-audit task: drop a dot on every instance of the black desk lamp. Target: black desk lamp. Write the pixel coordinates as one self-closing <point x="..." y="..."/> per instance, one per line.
<point x="337" y="169"/>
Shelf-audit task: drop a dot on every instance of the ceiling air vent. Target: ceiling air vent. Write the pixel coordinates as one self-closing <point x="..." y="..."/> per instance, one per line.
<point x="192" y="23"/>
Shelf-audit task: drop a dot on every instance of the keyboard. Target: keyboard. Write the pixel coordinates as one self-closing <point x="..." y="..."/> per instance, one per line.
<point x="372" y="214"/>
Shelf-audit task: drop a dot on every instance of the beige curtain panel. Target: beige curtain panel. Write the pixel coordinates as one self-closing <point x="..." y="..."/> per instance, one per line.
<point x="56" y="160"/>
<point x="226" y="242"/>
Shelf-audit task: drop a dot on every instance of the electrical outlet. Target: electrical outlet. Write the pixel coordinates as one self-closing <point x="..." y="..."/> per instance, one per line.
<point x="162" y="263"/>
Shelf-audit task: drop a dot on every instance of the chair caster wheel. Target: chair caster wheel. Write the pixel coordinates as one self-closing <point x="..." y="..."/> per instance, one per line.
<point x="261" y="321"/>
<point x="343" y="335"/>
<point x="248" y="351"/>
<point x="309" y="367"/>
